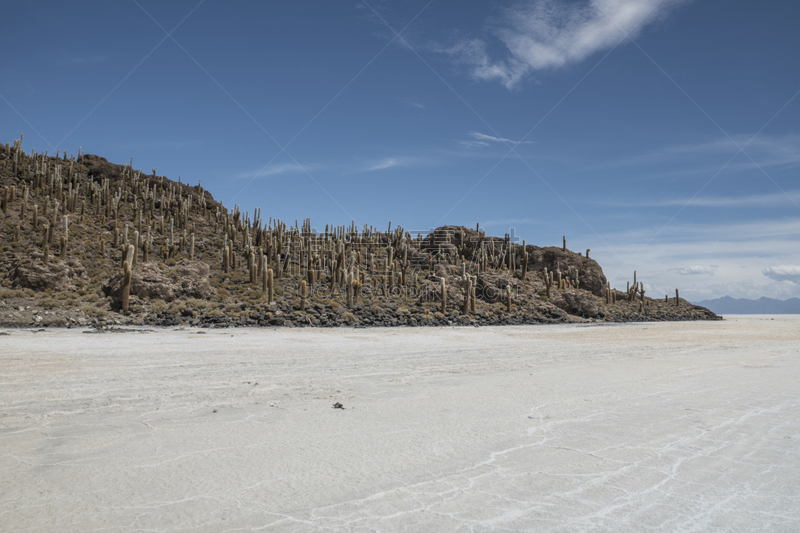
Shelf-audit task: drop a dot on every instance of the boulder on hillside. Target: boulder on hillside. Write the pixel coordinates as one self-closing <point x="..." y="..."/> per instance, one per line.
<point x="187" y="279"/>
<point x="576" y="302"/>
<point x="592" y="277"/>
<point x="58" y="275"/>
<point x="192" y="279"/>
<point x="491" y="287"/>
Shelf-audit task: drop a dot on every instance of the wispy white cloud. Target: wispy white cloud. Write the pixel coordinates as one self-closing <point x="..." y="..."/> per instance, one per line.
<point x="696" y="270"/>
<point x="481" y="140"/>
<point x="365" y="165"/>
<point x="473" y="144"/>
<point x="273" y="170"/>
<point x="783" y="273"/>
<point x="766" y="150"/>
<point x="778" y="199"/>
<point x="411" y="103"/>
<point x="489" y="138"/>
<point x="548" y="34"/>
<point x="682" y="255"/>
<point x="382" y="164"/>
<point x="390" y="162"/>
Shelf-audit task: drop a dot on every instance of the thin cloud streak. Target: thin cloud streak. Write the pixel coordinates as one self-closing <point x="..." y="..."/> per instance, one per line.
<point x="274" y="170"/>
<point x="483" y="137"/>
<point x="769" y="151"/>
<point x="755" y="200"/>
<point x="411" y="103"/>
<point x="389" y="162"/>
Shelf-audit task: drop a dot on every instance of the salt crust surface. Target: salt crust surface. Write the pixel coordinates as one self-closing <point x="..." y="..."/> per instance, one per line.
<point x="639" y="427"/>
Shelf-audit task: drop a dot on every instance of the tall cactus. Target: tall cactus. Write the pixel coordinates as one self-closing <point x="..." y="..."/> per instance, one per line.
<point x="444" y="296"/>
<point x="349" y="288"/>
<point x="126" y="284"/>
<point x="548" y="281"/>
<point x="64" y="238"/>
<point x="524" y="265"/>
<point x="466" y="282"/>
<point x="270" y="286"/>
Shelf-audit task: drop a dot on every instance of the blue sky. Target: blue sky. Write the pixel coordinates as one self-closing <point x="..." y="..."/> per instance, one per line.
<point x="661" y="134"/>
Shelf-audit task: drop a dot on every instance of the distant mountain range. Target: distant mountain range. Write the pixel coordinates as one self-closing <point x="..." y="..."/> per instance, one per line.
<point x="763" y="306"/>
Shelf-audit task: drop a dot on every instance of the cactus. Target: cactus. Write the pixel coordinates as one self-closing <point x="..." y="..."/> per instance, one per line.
<point x="303" y="295"/>
<point x="270" y="286"/>
<point x="587" y="253"/>
<point x="356" y="289"/>
<point x="126" y="284"/>
<point x="548" y="281"/>
<point x="444" y="297"/>
<point x="524" y="265"/>
<point x="311" y="273"/>
<point x="24" y="206"/>
<point x="564" y="246"/>
<point x="508" y="297"/>
<point x="46" y="255"/>
<point x="472" y="299"/>
<point x="677" y="298"/>
<point x="465" y="280"/>
<point x="130" y="255"/>
<point x="349" y="286"/>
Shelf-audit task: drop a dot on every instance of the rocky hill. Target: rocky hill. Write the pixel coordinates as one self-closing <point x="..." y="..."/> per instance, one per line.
<point x="85" y="241"/>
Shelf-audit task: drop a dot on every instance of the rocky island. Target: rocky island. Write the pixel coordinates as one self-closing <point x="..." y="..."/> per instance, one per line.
<point x="87" y="242"/>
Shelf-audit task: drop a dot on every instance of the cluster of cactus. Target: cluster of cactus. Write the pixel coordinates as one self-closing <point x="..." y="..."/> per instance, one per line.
<point x="569" y="279"/>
